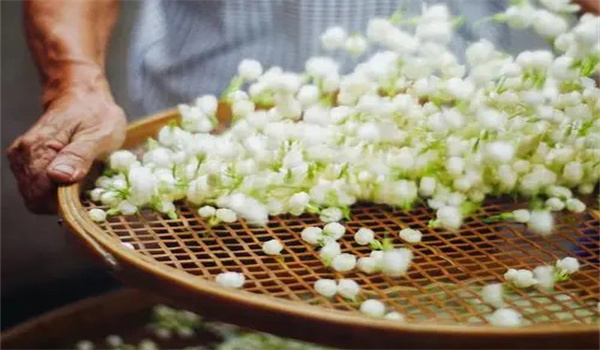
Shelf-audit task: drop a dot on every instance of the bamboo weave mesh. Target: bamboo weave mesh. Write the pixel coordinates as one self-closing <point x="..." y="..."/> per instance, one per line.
<point x="443" y="283"/>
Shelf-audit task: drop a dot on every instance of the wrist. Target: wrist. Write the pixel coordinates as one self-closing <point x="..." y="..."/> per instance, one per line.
<point x="75" y="77"/>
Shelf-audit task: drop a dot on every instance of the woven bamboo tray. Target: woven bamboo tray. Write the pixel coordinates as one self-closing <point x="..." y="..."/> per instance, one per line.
<point x="439" y="297"/>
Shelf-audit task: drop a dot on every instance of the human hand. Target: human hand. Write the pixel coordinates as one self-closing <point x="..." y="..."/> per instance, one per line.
<point x="590" y="5"/>
<point x="78" y="126"/>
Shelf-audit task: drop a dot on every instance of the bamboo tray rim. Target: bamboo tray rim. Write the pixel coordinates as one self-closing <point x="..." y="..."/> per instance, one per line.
<point x="76" y="218"/>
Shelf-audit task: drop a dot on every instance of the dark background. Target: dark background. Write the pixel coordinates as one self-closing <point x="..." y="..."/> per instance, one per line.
<point x="41" y="267"/>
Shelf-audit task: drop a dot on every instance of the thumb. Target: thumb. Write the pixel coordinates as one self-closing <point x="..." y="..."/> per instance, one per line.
<point x="73" y="161"/>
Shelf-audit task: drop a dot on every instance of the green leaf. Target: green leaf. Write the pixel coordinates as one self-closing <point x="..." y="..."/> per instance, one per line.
<point x="152" y="144"/>
<point x="376" y="245"/>
<point x="458" y="21"/>
<point x="499" y="217"/>
<point x="213" y="221"/>
<point x="113" y="212"/>
<point x="234" y="85"/>
<point x="468" y="207"/>
<point x="387" y="244"/>
<point x="346" y="212"/>
<point x="109" y="172"/>
<point x="172" y="123"/>
<point x="313" y="209"/>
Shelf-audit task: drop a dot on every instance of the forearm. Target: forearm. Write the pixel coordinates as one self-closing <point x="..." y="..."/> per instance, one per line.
<point x="68" y="40"/>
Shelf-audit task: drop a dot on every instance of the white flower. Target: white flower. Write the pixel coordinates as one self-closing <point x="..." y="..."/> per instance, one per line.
<point x="208" y="104"/>
<point x="97" y="215"/>
<point x="505" y="318"/>
<point x="520" y="16"/>
<point x="226" y="215"/>
<point x="549" y="24"/>
<point x="491" y="119"/>
<point x="396" y="316"/>
<point x="535" y="59"/>
<point x="312" y="235"/>
<point x="378" y="28"/>
<point x="480" y="52"/>
<point x="96" y="193"/>
<point x="207" y="211"/>
<point x="493" y="294"/>
<point x="114" y="341"/>
<point x="84" y="345"/>
<point x="455" y="165"/>
<point x="562" y="68"/>
<point x="427" y="186"/>
<point x="500" y="152"/>
<point x="242" y="108"/>
<point x="128" y="245"/>
<point x="460" y="89"/>
<point x="254" y="212"/>
<point x="368" y="265"/>
<point x="560" y="5"/>
<point x="586" y="31"/>
<point x="316" y="115"/>
<point x="364" y="236"/>
<point x="395" y="262"/>
<point x="439" y="31"/>
<point x="334" y="230"/>
<point x="230" y="279"/>
<point x="330" y="250"/>
<point x="348" y="288"/>
<point x="355" y="45"/>
<point x="272" y="247"/>
<point x="330" y="83"/>
<point x="250" y="69"/>
<point x="449" y="217"/>
<point x="165" y="207"/>
<point x="321" y="67"/>
<point x="110" y="198"/>
<point x="372" y="308"/>
<point x="121" y="160"/>
<point x="160" y="157"/>
<point x="575" y="205"/>
<point x="541" y="222"/>
<point x="298" y="202"/>
<point x="567" y="265"/>
<point x="368" y="132"/>
<point x="545" y="276"/>
<point x="343" y="262"/>
<point x="333" y="38"/>
<point x="573" y="172"/>
<point x="411" y="235"/>
<point x="331" y="215"/>
<point x="555" y="204"/>
<point x="521" y="278"/>
<point x="326" y="287"/>
<point x="308" y="95"/>
<point x="126" y="208"/>
<point x="142" y="186"/>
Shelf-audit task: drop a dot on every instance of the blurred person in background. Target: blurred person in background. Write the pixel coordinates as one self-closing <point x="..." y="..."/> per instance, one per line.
<point x="180" y="49"/>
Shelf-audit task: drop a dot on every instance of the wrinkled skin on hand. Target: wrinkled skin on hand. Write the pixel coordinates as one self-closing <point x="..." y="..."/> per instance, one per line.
<point x="78" y="127"/>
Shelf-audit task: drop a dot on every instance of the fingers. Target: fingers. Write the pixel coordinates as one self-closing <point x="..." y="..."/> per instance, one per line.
<point x="73" y="161"/>
<point x="28" y="162"/>
<point x="590" y="5"/>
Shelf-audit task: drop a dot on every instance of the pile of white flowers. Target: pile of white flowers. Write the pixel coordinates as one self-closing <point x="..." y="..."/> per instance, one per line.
<point x="410" y="124"/>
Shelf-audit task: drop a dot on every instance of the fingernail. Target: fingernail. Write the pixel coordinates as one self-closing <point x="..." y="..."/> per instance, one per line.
<point x="65" y="169"/>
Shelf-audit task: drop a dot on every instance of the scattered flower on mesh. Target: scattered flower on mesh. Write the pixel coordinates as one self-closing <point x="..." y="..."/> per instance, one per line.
<point x="230" y="279"/>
